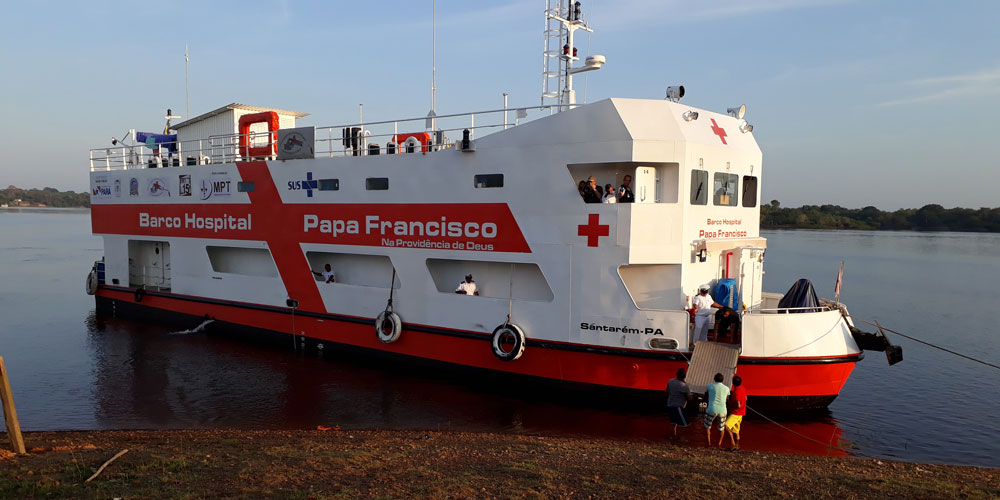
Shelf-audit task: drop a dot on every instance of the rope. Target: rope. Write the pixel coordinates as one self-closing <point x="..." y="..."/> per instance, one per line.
<point x="392" y="286"/>
<point x="970" y="358"/>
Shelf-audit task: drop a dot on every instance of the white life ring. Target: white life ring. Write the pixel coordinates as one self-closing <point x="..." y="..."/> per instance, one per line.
<point x="92" y="282"/>
<point x="508" y="342"/>
<point x="388" y="327"/>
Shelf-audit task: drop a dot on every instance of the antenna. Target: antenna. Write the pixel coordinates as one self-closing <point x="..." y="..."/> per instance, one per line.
<point x="187" y="93"/>
<point x="562" y="19"/>
<point x="431" y="116"/>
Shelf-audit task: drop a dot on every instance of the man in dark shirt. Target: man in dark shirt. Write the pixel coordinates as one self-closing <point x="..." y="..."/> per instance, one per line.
<point x="591" y="194"/>
<point x="727" y="325"/>
<point x="625" y="194"/>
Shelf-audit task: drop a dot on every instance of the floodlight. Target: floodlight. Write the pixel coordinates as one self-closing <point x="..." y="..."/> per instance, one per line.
<point x="675" y="93"/>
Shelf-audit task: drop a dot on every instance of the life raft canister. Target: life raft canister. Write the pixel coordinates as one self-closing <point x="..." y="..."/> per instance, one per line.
<point x="508" y="342"/>
<point x="423" y="138"/>
<point x="268" y="117"/>
<point x="388" y="327"/>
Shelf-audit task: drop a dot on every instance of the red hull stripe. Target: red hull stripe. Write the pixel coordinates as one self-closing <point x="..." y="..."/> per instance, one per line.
<point x="545" y="344"/>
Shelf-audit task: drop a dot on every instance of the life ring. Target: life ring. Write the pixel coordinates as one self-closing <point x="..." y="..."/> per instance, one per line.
<point x="92" y="282"/>
<point x="388" y="327"/>
<point x="508" y="342"/>
<point x="269" y="117"/>
<point x="423" y="138"/>
<point x="139" y="294"/>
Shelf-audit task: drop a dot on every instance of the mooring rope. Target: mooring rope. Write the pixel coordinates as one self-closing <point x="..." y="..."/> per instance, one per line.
<point x="970" y="358"/>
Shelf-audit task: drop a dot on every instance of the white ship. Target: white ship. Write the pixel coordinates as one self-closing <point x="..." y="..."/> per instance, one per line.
<point x="245" y="210"/>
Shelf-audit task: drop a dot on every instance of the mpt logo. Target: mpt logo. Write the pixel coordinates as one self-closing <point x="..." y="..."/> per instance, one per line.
<point x="215" y="187"/>
<point x="309" y="184"/>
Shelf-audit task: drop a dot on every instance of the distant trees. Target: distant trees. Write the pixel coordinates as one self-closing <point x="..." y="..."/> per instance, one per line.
<point x="927" y="218"/>
<point x="47" y="196"/>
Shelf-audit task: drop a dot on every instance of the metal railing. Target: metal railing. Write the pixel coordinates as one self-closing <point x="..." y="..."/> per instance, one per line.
<point x="329" y="141"/>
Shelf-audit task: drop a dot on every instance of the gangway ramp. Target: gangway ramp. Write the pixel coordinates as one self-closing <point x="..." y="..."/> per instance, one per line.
<point x="708" y="359"/>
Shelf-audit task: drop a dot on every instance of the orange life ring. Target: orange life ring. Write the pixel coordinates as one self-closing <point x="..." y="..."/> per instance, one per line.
<point x="423" y="138"/>
<point x="269" y="117"/>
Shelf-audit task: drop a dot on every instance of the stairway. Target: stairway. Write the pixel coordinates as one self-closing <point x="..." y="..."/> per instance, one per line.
<point x="708" y="359"/>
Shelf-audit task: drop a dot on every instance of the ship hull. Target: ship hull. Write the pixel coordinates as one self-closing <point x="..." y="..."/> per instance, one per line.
<point x="772" y="383"/>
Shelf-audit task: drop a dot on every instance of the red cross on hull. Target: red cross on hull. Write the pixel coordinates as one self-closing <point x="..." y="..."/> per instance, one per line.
<point x="593" y="229"/>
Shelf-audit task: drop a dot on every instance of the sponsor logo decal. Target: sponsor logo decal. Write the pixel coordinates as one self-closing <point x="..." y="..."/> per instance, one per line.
<point x="157" y="187"/>
<point x="133" y="187"/>
<point x="620" y="329"/>
<point x="102" y="186"/>
<point x="217" y="185"/>
<point x="309" y="184"/>
<point x="118" y="188"/>
<point x="184" y="185"/>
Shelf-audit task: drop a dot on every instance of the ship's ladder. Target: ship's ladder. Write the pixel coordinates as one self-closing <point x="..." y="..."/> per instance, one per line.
<point x="708" y="359"/>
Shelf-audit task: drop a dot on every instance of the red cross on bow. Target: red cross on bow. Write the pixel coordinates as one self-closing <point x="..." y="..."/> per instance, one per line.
<point x="593" y="229"/>
<point x="719" y="131"/>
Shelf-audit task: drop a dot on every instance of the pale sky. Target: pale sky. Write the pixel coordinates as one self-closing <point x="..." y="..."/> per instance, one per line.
<point x="853" y="102"/>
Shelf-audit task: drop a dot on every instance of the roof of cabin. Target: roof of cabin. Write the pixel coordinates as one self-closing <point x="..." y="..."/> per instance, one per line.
<point x="235" y="105"/>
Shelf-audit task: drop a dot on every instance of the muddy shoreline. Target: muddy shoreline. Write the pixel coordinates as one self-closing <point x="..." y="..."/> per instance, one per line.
<point x="334" y="463"/>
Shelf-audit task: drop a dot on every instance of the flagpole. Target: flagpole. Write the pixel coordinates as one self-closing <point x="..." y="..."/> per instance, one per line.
<point x="840" y="280"/>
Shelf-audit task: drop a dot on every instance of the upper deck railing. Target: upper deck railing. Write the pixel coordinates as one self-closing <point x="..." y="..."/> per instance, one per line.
<point x="374" y="138"/>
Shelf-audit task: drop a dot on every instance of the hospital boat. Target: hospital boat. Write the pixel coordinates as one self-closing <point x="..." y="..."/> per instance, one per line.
<point x="230" y="217"/>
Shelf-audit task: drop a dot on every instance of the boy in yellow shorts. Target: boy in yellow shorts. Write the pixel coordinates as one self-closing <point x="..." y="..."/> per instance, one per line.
<point x="738" y="400"/>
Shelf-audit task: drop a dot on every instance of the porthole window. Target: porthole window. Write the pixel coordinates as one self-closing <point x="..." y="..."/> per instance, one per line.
<point x="377" y="183"/>
<point x="489" y="181"/>
<point x="329" y="184"/>
<point x="245" y="187"/>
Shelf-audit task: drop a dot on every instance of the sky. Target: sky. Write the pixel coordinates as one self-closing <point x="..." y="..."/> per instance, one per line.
<point x="853" y="103"/>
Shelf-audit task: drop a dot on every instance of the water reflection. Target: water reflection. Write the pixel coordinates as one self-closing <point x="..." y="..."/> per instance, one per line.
<point x="146" y="377"/>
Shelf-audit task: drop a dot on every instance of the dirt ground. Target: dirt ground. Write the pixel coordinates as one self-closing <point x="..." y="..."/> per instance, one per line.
<point x="331" y="463"/>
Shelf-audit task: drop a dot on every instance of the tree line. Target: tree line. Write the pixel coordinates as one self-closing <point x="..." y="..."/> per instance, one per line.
<point x="927" y="218"/>
<point x="49" y="197"/>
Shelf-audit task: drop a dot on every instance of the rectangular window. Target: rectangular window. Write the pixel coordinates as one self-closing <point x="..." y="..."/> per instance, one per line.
<point x="749" y="191"/>
<point x="699" y="187"/>
<point x="329" y="184"/>
<point x="377" y="183"/>
<point x="489" y="181"/>
<point x="725" y="189"/>
<point x="245" y="187"/>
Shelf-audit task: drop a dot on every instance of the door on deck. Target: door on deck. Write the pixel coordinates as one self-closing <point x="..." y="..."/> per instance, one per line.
<point x="645" y="185"/>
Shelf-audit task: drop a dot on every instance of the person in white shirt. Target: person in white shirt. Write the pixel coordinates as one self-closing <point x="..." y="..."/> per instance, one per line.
<point x="327" y="274"/>
<point x="703" y="304"/>
<point x="609" y="194"/>
<point x="467" y="287"/>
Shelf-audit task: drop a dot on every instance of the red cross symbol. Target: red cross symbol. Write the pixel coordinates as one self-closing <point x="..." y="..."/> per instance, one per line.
<point x="593" y="229"/>
<point x="719" y="131"/>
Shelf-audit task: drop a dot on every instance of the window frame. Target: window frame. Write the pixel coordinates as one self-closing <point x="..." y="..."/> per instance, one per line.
<point x="695" y="198"/>
<point x="732" y="194"/>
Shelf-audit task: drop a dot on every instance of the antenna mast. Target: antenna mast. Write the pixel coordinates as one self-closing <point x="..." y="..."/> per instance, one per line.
<point x="187" y="93"/>
<point x="562" y="19"/>
<point x="431" y="116"/>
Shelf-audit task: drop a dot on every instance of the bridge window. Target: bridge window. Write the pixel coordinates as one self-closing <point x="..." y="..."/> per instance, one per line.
<point x="377" y="183"/>
<point x="329" y="184"/>
<point x="749" y="191"/>
<point x="489" y="181"/>
<point x="699" y="187"/>
<point x="725" y="189"/>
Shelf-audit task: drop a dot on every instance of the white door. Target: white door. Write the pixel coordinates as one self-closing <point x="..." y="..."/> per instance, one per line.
<point x="645" y="185"/>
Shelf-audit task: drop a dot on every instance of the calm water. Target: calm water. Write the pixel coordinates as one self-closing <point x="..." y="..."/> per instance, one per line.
<point x="71" y="370"/>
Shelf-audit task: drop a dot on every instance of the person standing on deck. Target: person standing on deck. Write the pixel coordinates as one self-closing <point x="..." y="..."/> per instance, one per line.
<point x="467" y="287"/>
<point x="738" y="399"/>
<point x="327" y="274"/>
<point x="703" y="303"/>
<point x="716" y="394"/>
<point x="678" y="394"/>
<point x="625" y="194"/>
<point x="592" y="193"/>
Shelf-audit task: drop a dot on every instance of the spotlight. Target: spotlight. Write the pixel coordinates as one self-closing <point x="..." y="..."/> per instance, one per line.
<point x="690" y="115"/>
<point x="746" y="127"/>
<point x="738" y="112"/>
<point x="675" y="93"/>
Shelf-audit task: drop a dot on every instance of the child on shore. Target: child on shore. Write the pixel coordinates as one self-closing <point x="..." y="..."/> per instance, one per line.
<point x="738" y="399"/>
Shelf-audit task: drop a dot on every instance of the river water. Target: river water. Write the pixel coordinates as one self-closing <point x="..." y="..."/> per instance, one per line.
<point x="71" y="370"/>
